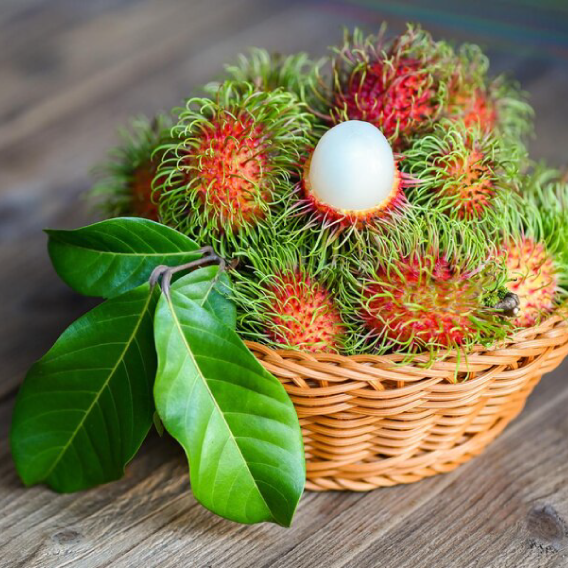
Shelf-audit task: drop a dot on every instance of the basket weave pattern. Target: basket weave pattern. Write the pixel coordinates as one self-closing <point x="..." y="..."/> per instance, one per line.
<point x="369" y="423"/>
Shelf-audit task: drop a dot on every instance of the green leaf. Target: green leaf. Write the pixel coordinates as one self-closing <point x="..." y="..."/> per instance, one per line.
<point x="210" y="289"/>
<point x="86" y="406"/>
<point x="113" y="256"/>
<point x="233" y="418"/>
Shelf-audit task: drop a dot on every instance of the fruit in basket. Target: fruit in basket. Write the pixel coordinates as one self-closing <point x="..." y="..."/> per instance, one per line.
<point x="286" y="302"/>
<point x="439" y="290"/>
<point x="533" y="278"/>
<point x="466" y="173"/>
<point x="352" y="176"/>
<point x="301" y="225"/>
<point x="399" y="86"/>
<point x="270" y="71"/>
<point x="236" y="154"/>
<point x="537" y="259"/>
<point x="493" y="104"/>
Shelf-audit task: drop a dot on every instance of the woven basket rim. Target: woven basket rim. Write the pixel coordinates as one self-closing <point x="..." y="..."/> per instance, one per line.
<point x="372" y="367"/>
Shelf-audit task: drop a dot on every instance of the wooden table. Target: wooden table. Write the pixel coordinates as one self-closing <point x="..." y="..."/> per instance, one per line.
<point x="70" y="71"/>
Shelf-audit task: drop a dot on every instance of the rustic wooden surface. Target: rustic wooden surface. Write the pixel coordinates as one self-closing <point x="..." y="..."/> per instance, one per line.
<point x="70" y="71"/>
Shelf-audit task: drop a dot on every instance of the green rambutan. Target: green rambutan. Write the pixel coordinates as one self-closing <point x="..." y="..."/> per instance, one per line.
<point x="493" y="104"/>
<point x="437" y="290"/>
<point x="233" y="163"/>
<point x="125" y="184"/>
<point x="286" y="302"/>
<point x="399" y="86"/>
<point x="466" y="173"/>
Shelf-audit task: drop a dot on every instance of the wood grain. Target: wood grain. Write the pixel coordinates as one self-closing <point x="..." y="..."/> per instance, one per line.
<point x="70" y="72"/>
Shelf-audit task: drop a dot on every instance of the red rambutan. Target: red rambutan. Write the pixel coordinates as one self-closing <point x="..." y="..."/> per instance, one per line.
<point x="422" y="302"/>
<point x="285" y="300"/>
<point x="397" y="87"/>
<point x="491" y="105"/>
<point x="303" y="314"/>
<point x="144" y="201"/>
<point x="465" y="173"/>
<point x="233" y="162"/>
<point x="474" y="108"/>
<point x="232" y="154"/>
<point x="533" y="278"/>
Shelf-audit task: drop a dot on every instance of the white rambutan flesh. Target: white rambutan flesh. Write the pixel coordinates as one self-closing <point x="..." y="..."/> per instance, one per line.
<point x="352" y="167"/>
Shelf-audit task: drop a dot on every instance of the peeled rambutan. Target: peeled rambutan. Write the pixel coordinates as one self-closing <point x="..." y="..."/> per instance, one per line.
<point x="126" y="181"/>
<point x="352" y="179"/>
<point x="233" y="162"/>
<point x="285" y="301"/>
<point x="534" y="279"/>
<point x="397" y="86"/>
<point x="465" y="173"/>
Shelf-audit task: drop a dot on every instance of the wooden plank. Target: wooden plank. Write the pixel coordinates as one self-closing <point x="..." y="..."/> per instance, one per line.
<point x="151" y="519"/>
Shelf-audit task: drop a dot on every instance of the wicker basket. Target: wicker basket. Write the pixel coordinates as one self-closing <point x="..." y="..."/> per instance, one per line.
<point x="368" y="423"/>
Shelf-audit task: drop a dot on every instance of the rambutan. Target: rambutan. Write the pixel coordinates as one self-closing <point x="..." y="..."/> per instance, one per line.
<point x="286" y="302"/>
<point x="465" y="173"/>
<point x="491" y="104"/>
<point x="399" y="86"/>
<point x="533" y="277"/>
<point x="267" y="72"/>
<point x="126" y="181"/>
<point x="351" y="179"/>
<point x="233" y="162"/>
<point x="437" y="290"/>
<point x="537" y="258"/>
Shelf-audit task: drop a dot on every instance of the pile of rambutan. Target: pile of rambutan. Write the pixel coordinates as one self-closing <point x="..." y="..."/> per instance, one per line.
<point x="380" y="200"/>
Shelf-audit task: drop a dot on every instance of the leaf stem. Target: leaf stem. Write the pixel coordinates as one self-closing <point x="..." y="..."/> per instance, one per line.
<point x="166" y="273"/>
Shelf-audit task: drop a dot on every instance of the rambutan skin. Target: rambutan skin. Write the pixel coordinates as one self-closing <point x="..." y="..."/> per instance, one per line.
<point x="395" y="99"/>
<point x="474" y="108"/>
<point x="302" y="314"/>
<point x="270" y="71"/>
<point x="126" y="181"/>
<point x="399" y="86"/>
<point x="534" y="279"/>
<point x="144" y="200"/>
<point x="422" y="302"/>
<point x="284" y="298"/>
<point x="493" y="105"/>
<point x="233" y="164"/>
<point x="233" y="155"/>
<point x="466" y="174"/>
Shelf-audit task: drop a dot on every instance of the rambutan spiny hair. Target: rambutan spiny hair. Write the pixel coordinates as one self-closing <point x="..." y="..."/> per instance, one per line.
<point x="124" y="186"/>
<point x="537" y="257"/>
<point x="496" y="104"/>
<point x="436" y="291"/>
<point x="234" y="161"/>
<point x="467" y="174"/>
<point x="284" y="300"/>
<point x="400" y="86"/>
<point x="268" y="72"/>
